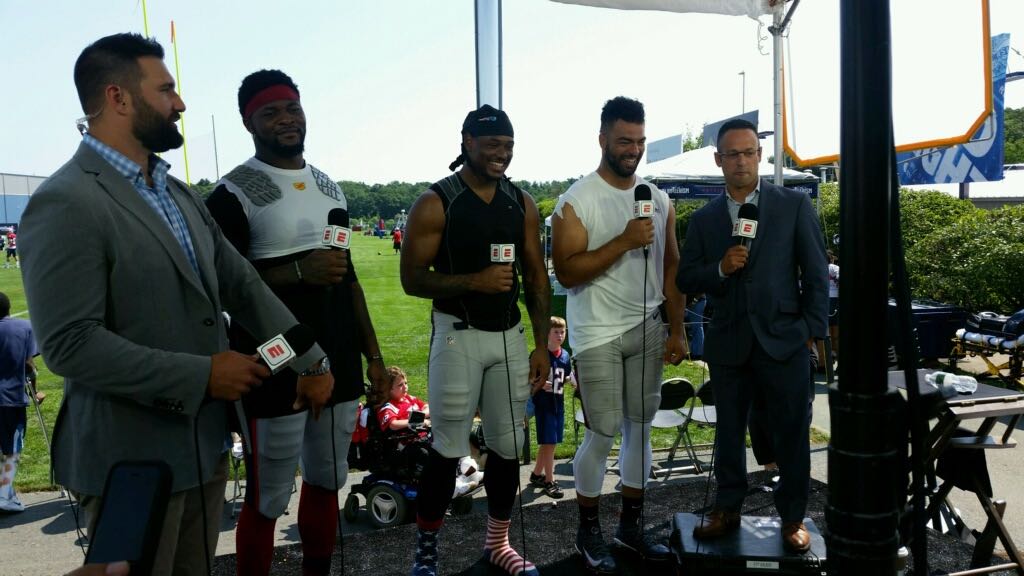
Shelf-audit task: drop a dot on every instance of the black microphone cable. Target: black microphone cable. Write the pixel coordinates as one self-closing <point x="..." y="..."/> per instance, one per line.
<point x="643" y="393"/>
<point x="337" y="512"/>
<point x="202" y="494"/>
<point x="707" y="484"/>
<point x="512" y="415"/>
<point x="643" y="371"/>
<point x="78" y="524"/>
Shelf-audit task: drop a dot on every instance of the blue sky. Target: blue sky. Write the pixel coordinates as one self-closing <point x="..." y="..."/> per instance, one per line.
<point x="386" y="83"/>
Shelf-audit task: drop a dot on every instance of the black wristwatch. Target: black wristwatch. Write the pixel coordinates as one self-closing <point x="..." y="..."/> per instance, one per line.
<point x="319" y="369"/>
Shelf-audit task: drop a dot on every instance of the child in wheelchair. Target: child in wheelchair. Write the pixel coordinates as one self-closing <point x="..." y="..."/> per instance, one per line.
<point x="405" y="420"/>
<point x="390" y="441"/>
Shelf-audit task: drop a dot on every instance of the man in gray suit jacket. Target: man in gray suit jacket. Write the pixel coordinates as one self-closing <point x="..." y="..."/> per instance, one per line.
<point x="127" y="276"/>
<point x="770" y="301"/>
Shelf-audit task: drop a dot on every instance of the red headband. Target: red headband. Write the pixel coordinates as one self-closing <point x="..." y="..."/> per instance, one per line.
<point x="267" y="95"/>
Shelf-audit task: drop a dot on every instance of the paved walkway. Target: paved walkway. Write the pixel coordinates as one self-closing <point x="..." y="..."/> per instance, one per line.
<point x="42" y="541"/>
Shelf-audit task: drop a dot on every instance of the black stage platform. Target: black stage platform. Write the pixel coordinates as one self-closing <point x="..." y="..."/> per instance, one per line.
<point x="551" y="533"/>
<point x="755" y="548"/>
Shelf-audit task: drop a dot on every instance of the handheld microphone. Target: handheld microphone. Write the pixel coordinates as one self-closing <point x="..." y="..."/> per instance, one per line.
<point x="643" y="206"/>
<point x="277" y="353"/>
<point x="282" y="349"/>
<point x="746" y="224"/>
<point x="337" y="234"/>
<point x="503" y="253"/>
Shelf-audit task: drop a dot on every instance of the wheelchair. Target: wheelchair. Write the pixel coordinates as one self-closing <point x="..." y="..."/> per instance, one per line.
<point x="395" y="462"/>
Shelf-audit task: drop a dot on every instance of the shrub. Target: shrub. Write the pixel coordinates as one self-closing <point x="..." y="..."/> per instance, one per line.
<point x="924" y="211"/>
<point x="546" y="207"/>
<point x="828" y="211"/>
<point x="976" y="262"/>
<point x="684" y="209"/>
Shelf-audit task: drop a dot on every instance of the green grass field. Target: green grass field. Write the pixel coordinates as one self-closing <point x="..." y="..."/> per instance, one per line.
<point x="403" y="328"/>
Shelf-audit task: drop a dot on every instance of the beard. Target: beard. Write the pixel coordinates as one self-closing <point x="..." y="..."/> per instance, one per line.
<point x="479" y="168"/>
<point x="156" y="133"/>
<point x="282" y="150"/>
<point x="617" y="166"/>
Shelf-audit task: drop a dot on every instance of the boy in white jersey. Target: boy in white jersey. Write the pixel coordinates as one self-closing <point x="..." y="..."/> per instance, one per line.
<point x="615" y="287"/>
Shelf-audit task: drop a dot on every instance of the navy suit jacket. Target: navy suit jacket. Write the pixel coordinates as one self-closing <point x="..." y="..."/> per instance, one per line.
<point x="780" y="297"/>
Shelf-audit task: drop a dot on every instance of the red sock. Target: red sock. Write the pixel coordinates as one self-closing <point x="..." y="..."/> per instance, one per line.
<point x="254" y="542"/>
<point x="318" y="527"/>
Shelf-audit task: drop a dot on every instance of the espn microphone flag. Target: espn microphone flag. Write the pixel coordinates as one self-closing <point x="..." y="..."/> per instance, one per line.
<point x="746" y="224"/>
<point x="276" y="353"/>
<point x="337" y="233"/>
<point x="501" y="253"/>
<point x="280" y="350"/>
<point x="643" y="206"/>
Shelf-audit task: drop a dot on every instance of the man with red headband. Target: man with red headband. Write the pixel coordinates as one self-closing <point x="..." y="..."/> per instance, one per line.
<point x="469" y="237"/>
<point x="273" y="208"/>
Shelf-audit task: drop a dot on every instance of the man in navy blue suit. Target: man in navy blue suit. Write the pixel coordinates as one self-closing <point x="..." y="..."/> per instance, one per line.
<point x="770" y="301"/>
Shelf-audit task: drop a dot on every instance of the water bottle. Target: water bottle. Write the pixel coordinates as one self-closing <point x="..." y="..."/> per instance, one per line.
<point x="962" y="384"/>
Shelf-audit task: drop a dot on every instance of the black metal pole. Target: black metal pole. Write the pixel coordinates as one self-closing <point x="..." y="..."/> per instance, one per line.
<point x="868" y="446"/>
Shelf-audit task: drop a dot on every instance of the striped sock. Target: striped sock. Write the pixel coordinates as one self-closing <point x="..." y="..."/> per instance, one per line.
<point x="497" y="550"/>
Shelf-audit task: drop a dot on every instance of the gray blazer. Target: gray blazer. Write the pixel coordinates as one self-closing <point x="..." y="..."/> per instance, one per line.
<point x="119" y="312"/>
<point x="781" y="296"/>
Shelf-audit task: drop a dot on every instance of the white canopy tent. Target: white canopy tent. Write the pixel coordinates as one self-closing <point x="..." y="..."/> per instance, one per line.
<point x="694" y="174"/>
<point x="752" y="8"/>
<point x="699" y="166"/>
<point x="950" y="64"/>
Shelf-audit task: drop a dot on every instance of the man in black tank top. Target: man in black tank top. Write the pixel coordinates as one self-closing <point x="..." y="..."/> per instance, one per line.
<point x="469" y="239"/>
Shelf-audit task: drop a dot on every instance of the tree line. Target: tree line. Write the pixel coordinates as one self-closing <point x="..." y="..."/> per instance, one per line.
<point x="372" y="201"/>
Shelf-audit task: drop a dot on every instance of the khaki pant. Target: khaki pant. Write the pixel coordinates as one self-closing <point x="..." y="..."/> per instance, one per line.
<point x="180" y="551"/>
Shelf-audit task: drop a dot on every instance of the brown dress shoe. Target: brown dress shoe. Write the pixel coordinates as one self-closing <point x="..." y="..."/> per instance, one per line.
<point x="716" y="524"/>
<point x="795" y="537"/>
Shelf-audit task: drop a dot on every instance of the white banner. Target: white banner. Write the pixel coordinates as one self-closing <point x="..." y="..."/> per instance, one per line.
<point x="752" y="8"/>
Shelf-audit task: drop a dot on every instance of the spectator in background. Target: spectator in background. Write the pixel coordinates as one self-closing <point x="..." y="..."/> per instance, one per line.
<point x="17" y="349"/>
<point x="549" y="407"/>
<point x="833" y="304"/>
<point x="12" y="250"/>
<point x="396" y="240"/>
<point x="694" y="320"/>
<point x="394" y="414"/>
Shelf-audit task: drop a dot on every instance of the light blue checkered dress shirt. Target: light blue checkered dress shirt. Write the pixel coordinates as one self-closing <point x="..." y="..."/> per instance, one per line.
<point x="157" y="196"/>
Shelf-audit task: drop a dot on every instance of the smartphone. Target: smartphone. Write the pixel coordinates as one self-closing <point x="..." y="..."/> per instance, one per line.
<point x="131" y="515"/>
<point x="416" y="418"/>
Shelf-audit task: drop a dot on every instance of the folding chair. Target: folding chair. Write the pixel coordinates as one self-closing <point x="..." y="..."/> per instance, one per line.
<point x="579" y="420"/>
<point x="30" y="390"/>
<point x="705" y="415"/>
<point x="237" y="489"/>
<point x="675" y="411"/>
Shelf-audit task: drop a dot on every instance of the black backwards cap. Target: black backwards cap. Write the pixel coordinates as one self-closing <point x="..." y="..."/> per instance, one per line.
<point x="487" y="121"/>
<point x="484" y="121"/>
